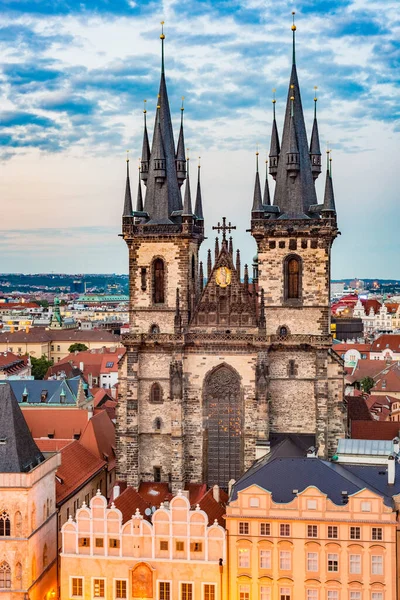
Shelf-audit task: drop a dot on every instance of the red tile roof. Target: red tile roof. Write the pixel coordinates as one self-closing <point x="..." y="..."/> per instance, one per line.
<point x="11" y="363"/>
<point x="372" y="303"/>
<point x="357" y="409"/>
<point x="99" y="438"/>
<point x="14" y="305"/>
<point x="64" y="423"/>
<point x="48" y="445"/>
<point x="78" y="466"/>
<point x="41" y="334"/>
<point x="366" y="368"/>
<point x="154" y="493"/>
<point x="343" y="348"/>
<point x="386" y="340"/>
<point x="374" y="430"/>
<point x="128" y="501"/>
<point x="94" y="362"/>
<point x="388" y="380"/>
<point x="214" y="510"/>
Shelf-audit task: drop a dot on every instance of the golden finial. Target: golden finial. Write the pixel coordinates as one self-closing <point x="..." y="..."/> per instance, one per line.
<point x="162" y="36"/>
<point x="199" y="162"/>
<point x="182" y="107"/>
<point x="158" y="102"/>
<point x="187" y="153"/>
<point x="144" y="106"/>
<point x="291" y="86"/>
<point x="273" y="96"/>
<point x="315" y="93"/>
<point x="127" y="156"/>
<point x="139" y="163"/>
<point x="293" y="26"/>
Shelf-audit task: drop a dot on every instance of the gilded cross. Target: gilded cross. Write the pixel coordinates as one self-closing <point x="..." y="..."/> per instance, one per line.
<point x="224" y="228"/>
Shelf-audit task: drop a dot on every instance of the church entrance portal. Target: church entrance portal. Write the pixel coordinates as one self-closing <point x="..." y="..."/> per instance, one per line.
<point x="223" y="427"/>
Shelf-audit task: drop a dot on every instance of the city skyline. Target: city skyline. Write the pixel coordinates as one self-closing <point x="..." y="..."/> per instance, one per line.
<point x="74" y="80"/>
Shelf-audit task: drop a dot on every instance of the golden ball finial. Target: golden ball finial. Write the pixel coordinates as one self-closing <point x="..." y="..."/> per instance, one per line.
<point x="293" y="26"/>
<point x="291" y="86"/>
<point x="127" y="156"/>
<point x="162" y="36"/>
<point x="292" y="98"/>
<point x="144" y="106"/>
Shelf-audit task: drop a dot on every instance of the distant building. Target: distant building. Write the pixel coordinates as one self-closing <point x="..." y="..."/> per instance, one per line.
<point x="347" y="328"/>
<point x="56" y="393"/>
<point x="13" y="366"/>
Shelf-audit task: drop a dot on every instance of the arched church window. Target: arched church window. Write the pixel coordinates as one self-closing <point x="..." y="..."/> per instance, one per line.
<point x="5" y="575"/>
<point x="283" y="331"/>
<point x="292" y="277"/>
<point x="158" y="281"/>
<point x="154" y="329"/>
<point x="5" y="524"/>
<point x="156" y="393"/>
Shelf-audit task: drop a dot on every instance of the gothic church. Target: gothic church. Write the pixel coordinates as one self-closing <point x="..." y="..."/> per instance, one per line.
<point x="217" y="367"/>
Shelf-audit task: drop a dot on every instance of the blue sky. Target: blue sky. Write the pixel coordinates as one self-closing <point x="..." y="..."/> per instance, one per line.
<point x="73" y="76"/>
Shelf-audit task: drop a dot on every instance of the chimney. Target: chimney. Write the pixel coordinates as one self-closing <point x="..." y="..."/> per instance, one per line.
<point x="230" y="486"/>
<point x="90" y="412"/>
<point x="391" y="467"/>
<point x="396" y="446"/>
<point x="116" y="492"/>
<point x="81" y="366"/>
<point x="215" y="492"/>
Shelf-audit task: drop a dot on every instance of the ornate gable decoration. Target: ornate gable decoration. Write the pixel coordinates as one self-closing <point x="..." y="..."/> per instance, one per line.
<point x="225" y="302"/>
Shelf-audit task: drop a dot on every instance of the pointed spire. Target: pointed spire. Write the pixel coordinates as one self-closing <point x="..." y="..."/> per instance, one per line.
<point x="329" y="198"/>
<point x="128" y="197"/>
<point x="292" y="156"/>
<point x="238" y="263"/>
<point x="257" y="199"/>
<point x="198" y="211"/>
<point x="230" y="247"/>
<point x="275" y="147"/>
<point x="139" y="200"/>
<point x="180" y="152"/>
<point x="315" y="151"/>
<point x="216" y="248"/>
<point x="209" y="264"/>
<point x="187" y="205"/>
<point x="201" y="276"/>
<point x="294" y="40"/>
<point x="144" y="171"/>
<point x="246" y="278"/>
<point x="266" y="198"/>
<point x="157" y="151"/>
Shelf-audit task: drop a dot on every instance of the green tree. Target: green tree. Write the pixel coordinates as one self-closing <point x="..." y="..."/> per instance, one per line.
<point x="367" y="383"/>
<point x="77" y="347"/>
<point x="40" y="366"/>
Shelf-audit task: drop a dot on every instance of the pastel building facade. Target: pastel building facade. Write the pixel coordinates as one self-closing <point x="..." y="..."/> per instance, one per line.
<point x="311" y="548"/>
<point x="176" y="555"/>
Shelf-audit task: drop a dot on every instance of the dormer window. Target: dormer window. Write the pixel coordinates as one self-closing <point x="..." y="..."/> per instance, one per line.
<point x="43" y="396"/>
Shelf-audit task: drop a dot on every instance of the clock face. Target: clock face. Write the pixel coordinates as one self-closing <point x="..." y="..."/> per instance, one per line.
<point x="223" y="277"/>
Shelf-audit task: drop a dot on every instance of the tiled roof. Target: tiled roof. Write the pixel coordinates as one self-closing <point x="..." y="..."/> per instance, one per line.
<point x="54" y="445"/>
<point x="40" y="334"/>
<point x="366" y="368"/>
<point x="78" y="466"/>
<point x="11" y="364"/>
<point x="375" y="430"/>
<point x="386" y="340"/>
<point x="357" y="409"/>
<point x="63" y="423"/>
<point x="65" y="370"/>
<point x="388" y="380"/>
<point x="128" y="501"/>
<point x="214" y="510"/>
<point x="372" y="303"/>
<point x="17" y="305"/>
<point x="154" y="493"/>
<point x="95" y="362"/>
<point x="54" y="389"/>
<point x="343" y="348"/>
<point x="99" y="438"/>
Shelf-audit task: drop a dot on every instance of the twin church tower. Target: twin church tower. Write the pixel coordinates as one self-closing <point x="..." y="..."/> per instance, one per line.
<point x="217" y="367"/>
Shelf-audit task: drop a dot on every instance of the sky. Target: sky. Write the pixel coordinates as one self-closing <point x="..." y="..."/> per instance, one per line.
<point x="73" y="77"/>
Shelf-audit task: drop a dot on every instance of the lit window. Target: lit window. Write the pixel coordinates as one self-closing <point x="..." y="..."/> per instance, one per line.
<point x="285" y="562"/>
<point x="265" y="528"/>
<point x="284" y="594"/>
<point x="265" y="592"/>
<point x="120" y="589"/>
<point x="163" y="545"/>
<point x="332" y="532"/>
<point x="312" y="561"/>
<point x="209" y="591"/>
<point x="98" y="588"/>
<point x="377" y="533"/>
<point x="377" y="565"/>
<point x="77" y="587"/>
<point x="284" y="530"/>
<point x="355" y="563"/>
<point x="355" y="533"/>
<point x="164" y="589"/>
<point x="244" y="592"/>
<point x="333" y="562"/>
<point x="186" y="591"/>
<point x="265" y="559"/>
<point x="312" y="594"/>
<point x="244" y="528"/>
<point x="244" y="558"/>
<point x="312" y="531"/>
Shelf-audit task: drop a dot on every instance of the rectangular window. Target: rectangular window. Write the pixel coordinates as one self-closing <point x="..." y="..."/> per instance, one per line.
<point x="244" y="592"/>
<point x="284" y="594"/>
<point x="99" y="543"/>
<point x="366" y="506"/>
<point x="265" y="559"/>
<point x="377" y="565"/>
<point x="157" y="474"/>
<point x="333" y="595"/>
<point x="163" y="545"/>
<point x="265" y="592"/>
<point x="120" y="589"/>
<point x="113" y="543"/>
<point x="312" y="531"/>
<point x="312" y="561"/>
<point x="377" y="533"/>
<point x="180" y="546"/>
<point x="312" y="505"/>
<point x="284" y="530"/>
<point x="244" y="558"/>
<point x="77" y="587"/>
<point x="377" y="596"/>
<point x="265" y="528"/>
<point x="186" y="591"/>
<point x="333" y="563"/>
<point x="164" y="590"/>
<point x="355" y="595"/>
<point x="254" y="502"/>
<point x="98" y="588"/>
<point x="84" y="541"/>
<point x="355" y="533"/>
<point x="244" y="528"/>
<point x="285" y="562"/>
<point x="332" y="532"/>
<point x="209" y="591"/>
<point x="312" y="594"/>
<point x="196" y="547"/>
<point x="355" y="563"/>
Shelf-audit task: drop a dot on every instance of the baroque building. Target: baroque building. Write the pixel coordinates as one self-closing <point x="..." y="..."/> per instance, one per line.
<point x="217" y="367"/>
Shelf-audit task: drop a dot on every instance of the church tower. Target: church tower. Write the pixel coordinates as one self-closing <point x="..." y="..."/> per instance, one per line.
<point x="294" y="238"/>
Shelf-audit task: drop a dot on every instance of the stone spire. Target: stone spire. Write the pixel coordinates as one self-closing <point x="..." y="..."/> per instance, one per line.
<point x="261" y="318"/>
<point x="128" y="197"/>
<point x="201" y="276"/>
<point x="329" y="198"/>
<point x="209" y="264"/>
<point x="198" y="211"/>
<point x="144" y="171"/>
<point x="187" y="205"/>
<point x="294" y="191"/>
<point x="266" y="197"/>
<point x="216" y="249"/>
<point x="163" y="194"/>
<point x="238" y="262"/>
<point x="275" y="146"/>
<point x="139" y="200"/>
<point x="257" y="199"/>
<point x="315" y="151"/>
<point x="180" y="153"/>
